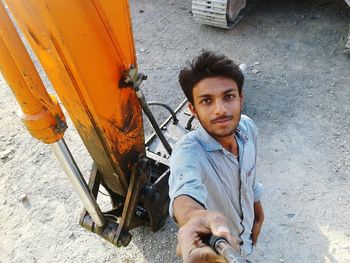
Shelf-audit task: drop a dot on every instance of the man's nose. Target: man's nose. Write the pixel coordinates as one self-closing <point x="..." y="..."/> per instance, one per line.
<point x="219" y="108"/>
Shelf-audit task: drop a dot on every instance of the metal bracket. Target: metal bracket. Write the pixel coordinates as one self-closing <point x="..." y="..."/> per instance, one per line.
<point x="61" y="125"/>
<point x="139" y="177"/>
<point x="132" y="78"/>
<point x="110" y="230"/>
<point x="146" y="203"/>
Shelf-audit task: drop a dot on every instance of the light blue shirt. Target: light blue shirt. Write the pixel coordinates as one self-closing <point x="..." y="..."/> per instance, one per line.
<point x="202" y="169"/>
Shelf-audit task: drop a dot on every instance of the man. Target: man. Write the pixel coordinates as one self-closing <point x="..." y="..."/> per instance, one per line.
<point x="213" y="169"/>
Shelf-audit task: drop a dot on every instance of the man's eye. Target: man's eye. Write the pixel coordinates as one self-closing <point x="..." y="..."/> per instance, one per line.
<point x="229" y="96"/>
<point x="205" y="101"/>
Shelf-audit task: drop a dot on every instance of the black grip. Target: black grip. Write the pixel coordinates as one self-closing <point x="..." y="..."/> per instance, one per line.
<point x="212" y="240"/>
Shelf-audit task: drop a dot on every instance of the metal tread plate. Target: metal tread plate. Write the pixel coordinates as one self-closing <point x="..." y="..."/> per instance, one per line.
<point x="214" y="12"/>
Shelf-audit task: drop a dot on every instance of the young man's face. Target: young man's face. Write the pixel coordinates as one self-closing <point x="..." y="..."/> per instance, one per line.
<point x="217" y="105"/>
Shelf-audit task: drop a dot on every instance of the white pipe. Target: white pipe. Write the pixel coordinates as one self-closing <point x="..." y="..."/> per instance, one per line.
<point x="65" y="158"/>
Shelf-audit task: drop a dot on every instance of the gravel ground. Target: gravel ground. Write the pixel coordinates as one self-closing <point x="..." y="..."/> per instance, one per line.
<point x="297" y="91"/>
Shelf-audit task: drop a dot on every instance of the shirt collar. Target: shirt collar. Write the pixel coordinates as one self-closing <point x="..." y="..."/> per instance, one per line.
<point x="241" y="135"/>
<point x="210" y="144"/>
<point x="207" y="141"/>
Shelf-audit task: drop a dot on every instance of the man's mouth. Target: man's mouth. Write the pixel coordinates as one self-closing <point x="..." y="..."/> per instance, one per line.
<point x="222" y="119"/>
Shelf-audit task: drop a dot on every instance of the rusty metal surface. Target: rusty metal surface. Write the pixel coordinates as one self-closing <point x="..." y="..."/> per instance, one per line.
<point x="146" y="203"/>
<point x="108" y="232"/>
<point x="84" y="61"/>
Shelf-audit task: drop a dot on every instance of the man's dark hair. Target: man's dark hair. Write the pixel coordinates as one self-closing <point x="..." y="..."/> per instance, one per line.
<point x="209" y="64"/>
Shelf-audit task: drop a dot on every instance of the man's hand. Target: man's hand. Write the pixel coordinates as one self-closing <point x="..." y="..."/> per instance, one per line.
<point x="190" y="245"/>
<point x="258" y="221"/>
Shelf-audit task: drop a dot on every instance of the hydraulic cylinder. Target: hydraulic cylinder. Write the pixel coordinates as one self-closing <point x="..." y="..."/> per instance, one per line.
<point x="40" y="112"/>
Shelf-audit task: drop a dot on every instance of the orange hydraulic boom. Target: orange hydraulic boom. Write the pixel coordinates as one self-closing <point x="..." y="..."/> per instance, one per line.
<point x="40" y="112"/>
<point x="87" y="50"/>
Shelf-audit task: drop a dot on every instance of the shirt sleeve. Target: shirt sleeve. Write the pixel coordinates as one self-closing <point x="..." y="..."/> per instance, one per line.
<point x="186" y="178"/>
<point x="257" y="187"/>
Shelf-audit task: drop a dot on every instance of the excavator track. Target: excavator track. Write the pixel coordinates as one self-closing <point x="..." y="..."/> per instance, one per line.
<point x="216" y="12"/>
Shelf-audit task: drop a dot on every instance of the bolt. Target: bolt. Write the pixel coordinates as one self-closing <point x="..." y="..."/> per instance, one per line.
<point x="127" y="80"/>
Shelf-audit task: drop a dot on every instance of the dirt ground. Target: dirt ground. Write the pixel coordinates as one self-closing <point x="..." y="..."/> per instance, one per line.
<point x="298" y="92"/>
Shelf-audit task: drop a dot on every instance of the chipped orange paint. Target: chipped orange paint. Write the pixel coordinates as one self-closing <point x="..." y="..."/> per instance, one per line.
<point x="84" y="46"/>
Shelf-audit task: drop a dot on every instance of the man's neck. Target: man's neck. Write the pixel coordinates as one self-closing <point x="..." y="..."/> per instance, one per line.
<point x="229" y="143"/>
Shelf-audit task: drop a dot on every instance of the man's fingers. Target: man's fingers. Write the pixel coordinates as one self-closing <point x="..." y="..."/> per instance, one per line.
<point x="218" y="224"/>
<point x="190" y="243"/>
<point x="191" y="248"/>
<point x="234" y="243"/>
<point x="255" y="233"/>
<point x="189" y="236"/>
<point x="178" y="250"/>
<point x="186" y="242"/>
<point x="218" y="227"/>
<point x="255" y="240"/>
<point x="222" y="229"/>
<point x="203" y="254"/>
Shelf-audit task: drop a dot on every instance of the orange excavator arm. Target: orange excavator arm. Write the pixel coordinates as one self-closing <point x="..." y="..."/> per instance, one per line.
<point x="84" y="47"/>
<point x="87" y="51"/>
<point x="40" y="112"/>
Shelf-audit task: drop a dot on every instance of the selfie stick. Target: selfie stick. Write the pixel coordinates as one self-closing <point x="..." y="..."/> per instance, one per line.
<point x="222" y="247"/>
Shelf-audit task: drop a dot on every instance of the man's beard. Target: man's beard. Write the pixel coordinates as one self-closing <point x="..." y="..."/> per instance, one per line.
<point x="221" y="135"/>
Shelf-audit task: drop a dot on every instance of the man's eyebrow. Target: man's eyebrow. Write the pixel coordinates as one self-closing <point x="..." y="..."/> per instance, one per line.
<point x="204" y="96"/>
<point x="210" y="95"/>
<point x="229" y="91"/>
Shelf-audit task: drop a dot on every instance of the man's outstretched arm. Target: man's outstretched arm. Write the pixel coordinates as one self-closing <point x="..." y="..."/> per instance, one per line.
<point x="195" y="223"/>
<point x="185" y="208"/>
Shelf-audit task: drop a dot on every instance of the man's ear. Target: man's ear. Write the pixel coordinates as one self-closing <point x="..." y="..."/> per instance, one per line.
<point x="192" y="109"/>
<point x="241" y="99"/>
